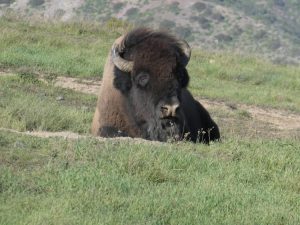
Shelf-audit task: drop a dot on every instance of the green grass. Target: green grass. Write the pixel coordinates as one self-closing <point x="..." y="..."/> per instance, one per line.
<point x="242" y="180"/>
<point x="74" y="49"/>
<point x="80" y="50"/>
<point x="58" y="181"/>
<point x="244" y="79"/>
<point x="28" y="104"/>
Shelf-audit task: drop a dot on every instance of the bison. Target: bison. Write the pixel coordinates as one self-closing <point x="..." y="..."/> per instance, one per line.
<point x="144" y="91"/>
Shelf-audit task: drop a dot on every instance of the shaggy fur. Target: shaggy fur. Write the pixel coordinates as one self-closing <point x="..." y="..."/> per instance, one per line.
<point x="130" y="104"/>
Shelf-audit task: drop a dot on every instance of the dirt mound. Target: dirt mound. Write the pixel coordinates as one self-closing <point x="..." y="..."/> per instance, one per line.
<point x="46" y="134"/>
<point x="74" y="136"/>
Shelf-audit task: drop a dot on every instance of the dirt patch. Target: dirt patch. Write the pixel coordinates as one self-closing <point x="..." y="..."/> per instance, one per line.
<point x="46" y="134"/>
<point x="81" y="85"/>
<point x="74" y="136"/>
<point x="6" y="74"/>
<point x="280" y="119"/>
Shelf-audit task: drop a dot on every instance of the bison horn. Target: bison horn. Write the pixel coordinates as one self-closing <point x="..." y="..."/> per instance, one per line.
<point x="186" y="50"/>
<point x="119" y="62"/>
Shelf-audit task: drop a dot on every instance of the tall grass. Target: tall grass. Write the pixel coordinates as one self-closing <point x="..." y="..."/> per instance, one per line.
<point x="58" y="181"/>
<point x="28" y="104"/>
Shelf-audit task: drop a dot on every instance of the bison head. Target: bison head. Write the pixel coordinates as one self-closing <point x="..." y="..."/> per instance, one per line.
<point x="149" y="70"/>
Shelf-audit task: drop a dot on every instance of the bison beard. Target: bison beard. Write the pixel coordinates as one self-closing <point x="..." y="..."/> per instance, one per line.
<point x="147" y="118"/>
<point x="144" y="91"/>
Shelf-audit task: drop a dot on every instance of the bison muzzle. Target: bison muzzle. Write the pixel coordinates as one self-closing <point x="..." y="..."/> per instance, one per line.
<point x="144" y="91"/>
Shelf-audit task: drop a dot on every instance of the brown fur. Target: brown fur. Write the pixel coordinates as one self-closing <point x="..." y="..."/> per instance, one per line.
<point x="110" y="110"/>
<point x="125" y="108"/>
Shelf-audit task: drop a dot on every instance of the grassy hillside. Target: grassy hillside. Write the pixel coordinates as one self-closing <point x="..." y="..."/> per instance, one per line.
<point x="80" y="50"/>
<point x="269" y="28"/>
<point x="76" y="49"/>
<point x="251" y="177"/>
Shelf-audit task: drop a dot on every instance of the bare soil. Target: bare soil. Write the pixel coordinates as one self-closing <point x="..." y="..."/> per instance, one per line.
<point x="235" y="119"/>
<point x="80" y="85"/>
<point x="281" y="119"/>
<point x="74" y="136"/>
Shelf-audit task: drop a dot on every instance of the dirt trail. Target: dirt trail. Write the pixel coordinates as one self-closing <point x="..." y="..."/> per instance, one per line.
<point x="84" y="86"/>
<point x="282" y="120"/>
<point x="46" y="134"/>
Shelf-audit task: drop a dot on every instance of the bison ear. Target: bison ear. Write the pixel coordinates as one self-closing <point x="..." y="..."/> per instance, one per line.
<point x="122" y="81"/>
<point x="142" y="79"/>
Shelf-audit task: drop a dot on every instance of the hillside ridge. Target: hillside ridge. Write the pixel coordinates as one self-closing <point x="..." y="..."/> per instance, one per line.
<point x="265" y="28"/>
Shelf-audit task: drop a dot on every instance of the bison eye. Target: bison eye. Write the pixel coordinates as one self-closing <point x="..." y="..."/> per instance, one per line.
<point x="142" y="79"/>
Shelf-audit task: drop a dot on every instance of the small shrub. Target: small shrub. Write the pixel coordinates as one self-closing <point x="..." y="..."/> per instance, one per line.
<point x="157" y="175"/>
<point x="218" y="17"/>
<point x="36" y="3"/>
<point x="203" y="21"/>
<point x="183" y="32"/>
<point x="115" y="23"/>
<point x="199" y="6"/>
<point x="295" y="52"/>
<point x="59" y="13"/>
<point x="274" y="44"/>
<point x="118" y="6"/>
<point x="236" y="30"/>
<point x="244" y="113"/>
<point x="28" y="77"/>
<point x="173" y="7"/>
<point x="269" y="18"/>
<point x="132" y="13"/>
<point x="260" y="34"/>
<point x="279" y="3"/>
<point x="167" y="24"/>
<point x="6" y="1"/>
<point x="223" y="37"/>
<point x="208" y="12"/>
<point x="144" y="20"/>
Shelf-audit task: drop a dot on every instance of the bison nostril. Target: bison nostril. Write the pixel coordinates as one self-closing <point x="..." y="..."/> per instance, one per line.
<point x="169" y="110"/>
<point x="175" y="110"/>
<point x="165" y="111"/>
